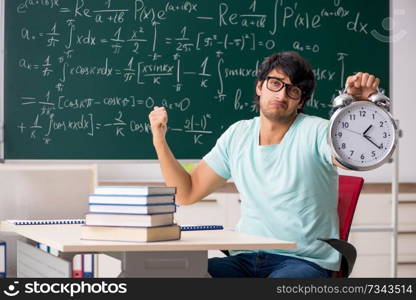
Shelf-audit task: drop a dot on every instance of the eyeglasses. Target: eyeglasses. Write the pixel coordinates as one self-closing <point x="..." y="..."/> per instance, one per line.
<point x="275" y="84"/>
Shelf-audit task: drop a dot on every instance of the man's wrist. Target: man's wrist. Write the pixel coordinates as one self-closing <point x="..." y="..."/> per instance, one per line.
<point x="159" y="141"/>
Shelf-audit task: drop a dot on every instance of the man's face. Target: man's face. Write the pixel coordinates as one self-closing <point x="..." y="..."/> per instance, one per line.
<point x="277" y="106"/>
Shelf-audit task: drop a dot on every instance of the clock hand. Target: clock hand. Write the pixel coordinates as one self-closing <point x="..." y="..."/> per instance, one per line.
<point x="367" y="130"/>
<point x="368" y="139"/>
<point x="352" y="131"/>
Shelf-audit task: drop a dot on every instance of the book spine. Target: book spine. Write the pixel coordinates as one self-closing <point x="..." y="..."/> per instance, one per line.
<point x="44" y="247"/>
<point x="88" y="266"/>
<point x="77" y="266"/>
<point x="151" y="209"/>
<point x="95" y="261"/>
<point x="132" y="204"/>
<point x="54" y="251"/>
<point x="47" y="249"/>
<point x="3" y="260"/>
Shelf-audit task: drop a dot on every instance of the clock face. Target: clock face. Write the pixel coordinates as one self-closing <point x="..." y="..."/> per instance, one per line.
<point x="363" y="135"/>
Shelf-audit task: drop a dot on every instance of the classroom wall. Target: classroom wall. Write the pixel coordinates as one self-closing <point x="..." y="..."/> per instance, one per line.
<point x="403" y="67"/>
<point x="403" y="45"/>
<point x="1" y="73"/>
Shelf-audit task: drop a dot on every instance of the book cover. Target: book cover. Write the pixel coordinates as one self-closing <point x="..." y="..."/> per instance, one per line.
<point x="133" y="209"/>
<point x="134" y="190"/>
<point x="131" y="199"/>
<point x="131" y="234"/>
<point x="137" y="220"/>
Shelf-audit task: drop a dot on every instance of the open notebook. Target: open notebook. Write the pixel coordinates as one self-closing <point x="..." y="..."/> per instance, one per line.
<point x="46" y="222"/>
<point x="200" y="227"/>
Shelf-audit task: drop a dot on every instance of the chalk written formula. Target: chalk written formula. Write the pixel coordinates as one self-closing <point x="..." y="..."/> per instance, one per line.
<point x="82" y="76"/>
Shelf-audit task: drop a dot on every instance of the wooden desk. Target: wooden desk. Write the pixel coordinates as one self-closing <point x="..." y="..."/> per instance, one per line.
<point x="186" y="257"/>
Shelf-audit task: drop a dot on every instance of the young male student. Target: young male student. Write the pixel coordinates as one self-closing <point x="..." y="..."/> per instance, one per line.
<point x="283" y="168"/>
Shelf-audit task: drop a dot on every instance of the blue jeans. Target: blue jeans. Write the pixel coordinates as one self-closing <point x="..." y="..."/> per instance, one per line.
<point x="262" y="264"/>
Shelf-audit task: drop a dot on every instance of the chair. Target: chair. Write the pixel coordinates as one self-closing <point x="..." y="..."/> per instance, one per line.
<point x="349" y="189"/>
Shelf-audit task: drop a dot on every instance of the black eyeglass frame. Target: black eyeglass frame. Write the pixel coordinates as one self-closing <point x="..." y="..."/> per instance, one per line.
<point x="284" y="85"/>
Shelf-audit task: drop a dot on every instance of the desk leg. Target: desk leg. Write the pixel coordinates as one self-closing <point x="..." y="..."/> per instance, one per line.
<point x="163" y="263"/>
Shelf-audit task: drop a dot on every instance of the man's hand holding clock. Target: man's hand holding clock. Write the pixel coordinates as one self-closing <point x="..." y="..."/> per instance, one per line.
<point x="362" y="133"/>
<point x="362" y="85"/>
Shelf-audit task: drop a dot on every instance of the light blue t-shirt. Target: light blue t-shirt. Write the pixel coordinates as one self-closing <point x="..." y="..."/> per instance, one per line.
<point x="288" y="190"/>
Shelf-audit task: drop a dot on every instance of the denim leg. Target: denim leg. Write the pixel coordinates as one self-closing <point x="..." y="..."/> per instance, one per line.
<point x="240" y="265"/>
<point x="299" y="268"/>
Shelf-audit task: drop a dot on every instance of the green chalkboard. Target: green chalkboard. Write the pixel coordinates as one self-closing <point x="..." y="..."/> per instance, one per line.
<point x="81" y="76"/>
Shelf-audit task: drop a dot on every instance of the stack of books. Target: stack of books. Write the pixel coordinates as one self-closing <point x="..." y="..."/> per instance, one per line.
<point x="132" y="214"/>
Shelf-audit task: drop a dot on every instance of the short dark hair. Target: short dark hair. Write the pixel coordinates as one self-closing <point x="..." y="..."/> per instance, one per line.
<point x="295" y="67"/>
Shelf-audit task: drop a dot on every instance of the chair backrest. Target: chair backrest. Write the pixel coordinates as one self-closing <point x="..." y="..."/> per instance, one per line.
<point x="349" y="189"/>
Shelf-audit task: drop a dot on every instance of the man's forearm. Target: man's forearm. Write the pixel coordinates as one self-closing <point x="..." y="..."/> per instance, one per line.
<point x="173" y="173"/>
